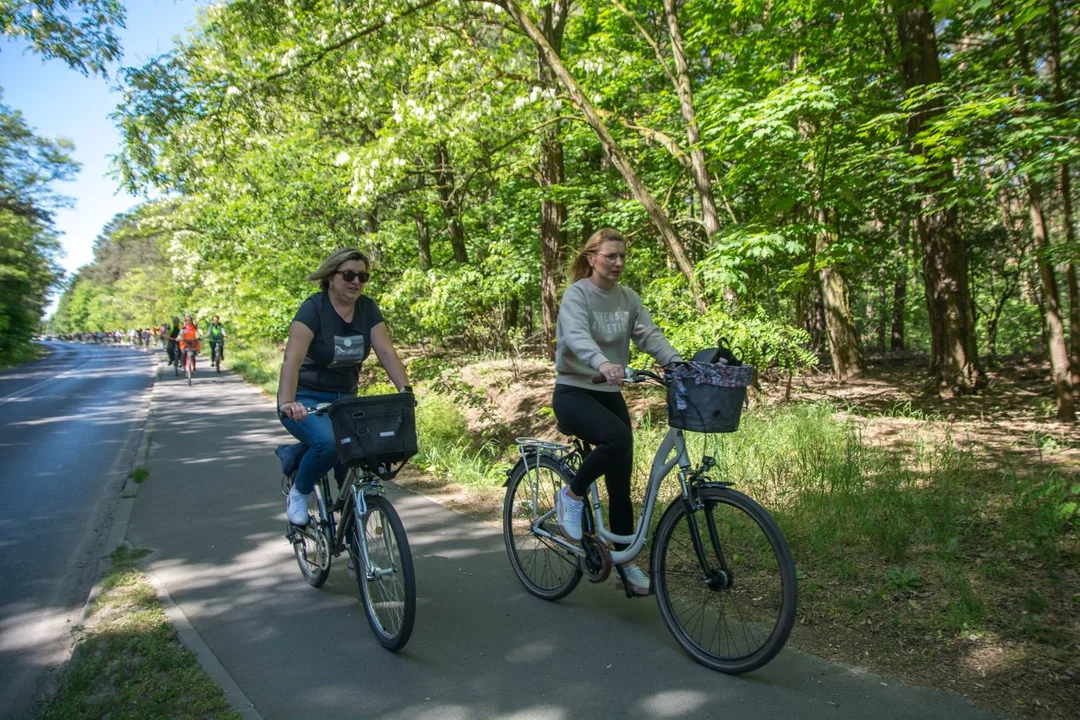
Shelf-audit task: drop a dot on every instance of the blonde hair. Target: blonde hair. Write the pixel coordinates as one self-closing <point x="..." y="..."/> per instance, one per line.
<point x="581" y="267"/>
<point x="331" y="264"/>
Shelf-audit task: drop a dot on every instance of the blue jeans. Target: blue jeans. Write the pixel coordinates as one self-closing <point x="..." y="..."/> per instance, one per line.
<point x="317" y="433"/>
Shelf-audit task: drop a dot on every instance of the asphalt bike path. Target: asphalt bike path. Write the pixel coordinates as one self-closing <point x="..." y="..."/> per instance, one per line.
<point x="212" y="512"/>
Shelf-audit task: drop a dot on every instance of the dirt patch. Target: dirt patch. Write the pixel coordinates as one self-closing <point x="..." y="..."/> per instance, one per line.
<point x="1006" y="427"/>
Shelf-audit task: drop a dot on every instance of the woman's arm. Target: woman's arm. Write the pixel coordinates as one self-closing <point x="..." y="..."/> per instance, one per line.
<point x="388" y="357"/>
<point x="300" y="337"/>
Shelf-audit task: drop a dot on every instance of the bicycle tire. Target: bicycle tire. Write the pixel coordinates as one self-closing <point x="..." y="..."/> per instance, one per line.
<point x="389" y="598"/>
<point x="749" y="606"/>
<point x="547" y="570"/>
<point x="306" y="550"/>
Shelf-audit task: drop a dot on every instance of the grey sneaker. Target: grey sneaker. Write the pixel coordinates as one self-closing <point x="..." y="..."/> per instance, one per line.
<point x="296" y="507"/>
<point x="639" y="581"/>
<point x="568" y="510"/>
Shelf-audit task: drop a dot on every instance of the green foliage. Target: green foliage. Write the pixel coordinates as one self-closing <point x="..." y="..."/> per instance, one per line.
<point x="28" y="244"/>
<point x="85" y="39"/>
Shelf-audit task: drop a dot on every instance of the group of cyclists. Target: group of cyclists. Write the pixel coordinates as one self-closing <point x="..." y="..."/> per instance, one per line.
<point x="179" y="338"/>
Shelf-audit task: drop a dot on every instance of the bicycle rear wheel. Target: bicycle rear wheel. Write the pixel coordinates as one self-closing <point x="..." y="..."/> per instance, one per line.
<point x="388" y="582"/>
<point x="737" y="615"/>
<point x="312" y="546"/>
<point x="547" y="570"/>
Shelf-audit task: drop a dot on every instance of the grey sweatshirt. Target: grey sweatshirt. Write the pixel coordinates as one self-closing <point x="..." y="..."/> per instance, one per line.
<point x="596" y="326"/>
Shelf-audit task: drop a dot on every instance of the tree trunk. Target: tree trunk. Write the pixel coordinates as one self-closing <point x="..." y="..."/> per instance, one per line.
<point x="1055" y="328"/>
<point x="883" y="308"/>
<point x="954" y="355"/>
<point x="709" y="216"/>
<point x="618" y="158"/>
<point x="423" y="240"/>
<point x="843" y="343"/>
<point x="552" y="174"/>
<point x="896" y="336"/>
<point x="1066" y="202"/>
<point x="444" y="181"/>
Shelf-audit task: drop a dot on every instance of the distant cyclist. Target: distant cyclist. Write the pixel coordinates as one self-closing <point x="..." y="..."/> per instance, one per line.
<point x="173" y="343"/>
<point x="216" y="333"/>
<point x="189" y="338"/>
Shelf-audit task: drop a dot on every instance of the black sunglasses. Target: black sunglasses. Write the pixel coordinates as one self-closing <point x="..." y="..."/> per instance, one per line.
<point x="350" y="275"/>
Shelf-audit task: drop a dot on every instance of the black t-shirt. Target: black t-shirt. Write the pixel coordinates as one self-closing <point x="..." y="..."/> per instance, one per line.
<point x="333" y="359"/>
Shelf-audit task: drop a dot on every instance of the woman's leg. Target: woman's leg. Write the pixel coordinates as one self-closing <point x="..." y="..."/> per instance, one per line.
<point x="602" y="420"/>
<point x="317" y="433"/>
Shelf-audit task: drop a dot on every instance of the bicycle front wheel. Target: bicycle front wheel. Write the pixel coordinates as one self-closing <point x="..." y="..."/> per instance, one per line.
<point x="546" y="569"/>
<point x="312" y="547"/>
<point x="735" y="614"/>
<point x="387" y="582"/>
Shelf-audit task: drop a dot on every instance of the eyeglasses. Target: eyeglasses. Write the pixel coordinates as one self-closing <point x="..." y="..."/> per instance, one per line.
<point x="350" y="275"/>
<point x="612" y="257"/>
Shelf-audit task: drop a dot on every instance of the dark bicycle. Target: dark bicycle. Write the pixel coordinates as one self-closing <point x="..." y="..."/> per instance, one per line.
<point x="375" y="436"/>
<point x="216" y="350"/>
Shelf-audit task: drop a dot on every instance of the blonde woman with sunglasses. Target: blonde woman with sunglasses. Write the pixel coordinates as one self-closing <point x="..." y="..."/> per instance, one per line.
<point x="331" y="335"/>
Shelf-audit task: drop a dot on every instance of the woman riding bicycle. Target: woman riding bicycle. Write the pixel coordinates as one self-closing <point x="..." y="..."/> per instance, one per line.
<point x="330" y="336"/>
<point x="189" y="339"/>
<point x="598" y="318"/>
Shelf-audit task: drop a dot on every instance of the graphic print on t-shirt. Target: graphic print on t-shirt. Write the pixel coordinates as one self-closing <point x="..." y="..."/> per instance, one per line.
<point x="608" y="326"/>
<point x="347" y="351"/>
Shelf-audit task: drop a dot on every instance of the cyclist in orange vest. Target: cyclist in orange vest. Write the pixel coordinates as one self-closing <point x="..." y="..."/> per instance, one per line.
<point x="190" y="337"/>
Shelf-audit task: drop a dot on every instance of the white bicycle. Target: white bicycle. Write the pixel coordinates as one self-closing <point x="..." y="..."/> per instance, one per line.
<point x="722" y="572"/>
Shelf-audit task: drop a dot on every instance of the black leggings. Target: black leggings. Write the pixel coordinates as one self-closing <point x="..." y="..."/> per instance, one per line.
<point x="602" y="420"/>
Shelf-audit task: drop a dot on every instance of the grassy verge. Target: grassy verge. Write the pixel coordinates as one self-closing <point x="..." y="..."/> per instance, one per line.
<point x="22" y="354"/>
<point x="259" y="364"/>
<point x="128" y="662"/>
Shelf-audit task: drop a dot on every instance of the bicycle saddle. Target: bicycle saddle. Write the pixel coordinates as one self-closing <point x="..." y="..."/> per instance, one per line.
<point x="290" y="456"/>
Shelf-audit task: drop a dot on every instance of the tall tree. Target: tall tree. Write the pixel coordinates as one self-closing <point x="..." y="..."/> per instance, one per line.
<point x="953" y="352"/>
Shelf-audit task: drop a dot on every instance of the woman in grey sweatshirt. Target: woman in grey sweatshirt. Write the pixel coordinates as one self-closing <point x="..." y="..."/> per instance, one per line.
<point x="598" y="317"/>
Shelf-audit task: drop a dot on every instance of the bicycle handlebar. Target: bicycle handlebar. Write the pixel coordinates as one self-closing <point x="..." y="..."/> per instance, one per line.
<point x="631" y="375"/>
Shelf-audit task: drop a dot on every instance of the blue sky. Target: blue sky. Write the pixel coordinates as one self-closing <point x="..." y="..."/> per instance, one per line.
<point x="59" y="102"/>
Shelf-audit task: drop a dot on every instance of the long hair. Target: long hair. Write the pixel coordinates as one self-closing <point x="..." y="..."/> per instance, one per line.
<point x="581" y="267"/>
<point x="331" y="264"/>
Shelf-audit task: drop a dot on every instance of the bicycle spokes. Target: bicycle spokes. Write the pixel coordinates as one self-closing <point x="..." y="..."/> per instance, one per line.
<point x="530" y="529"/>
<point x="728" y="598"/>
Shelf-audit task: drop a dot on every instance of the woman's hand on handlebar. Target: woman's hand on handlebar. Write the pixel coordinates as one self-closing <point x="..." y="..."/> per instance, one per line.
<point x="612" y="374"/>
<point x="294" y="410"/>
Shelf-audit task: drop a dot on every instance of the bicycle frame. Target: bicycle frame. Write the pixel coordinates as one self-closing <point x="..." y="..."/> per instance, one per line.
<point x="352" y="499"/>
<point x="671" y="452"/>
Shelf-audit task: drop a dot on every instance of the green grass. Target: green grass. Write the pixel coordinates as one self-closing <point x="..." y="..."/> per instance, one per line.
<point x="870" y="527"/>
<point x="128" y="662"/>
<point x="23" y="353"/>
<point x="139" y="474"/>
<point x="259" y="364"/>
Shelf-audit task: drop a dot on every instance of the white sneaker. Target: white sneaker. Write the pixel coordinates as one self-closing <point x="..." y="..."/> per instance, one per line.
<point x="568" y="510"/>
<point x="296" y="507"/>
<point x="639" y="581"/>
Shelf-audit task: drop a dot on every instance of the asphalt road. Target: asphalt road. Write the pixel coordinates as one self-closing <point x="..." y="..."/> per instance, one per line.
<point x="68" y="424"/>
<point x="212" y="513"/>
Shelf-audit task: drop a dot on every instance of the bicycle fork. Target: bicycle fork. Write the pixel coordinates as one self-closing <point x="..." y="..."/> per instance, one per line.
<point x="716" y="578"/>
<point x="360" y="515"/>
